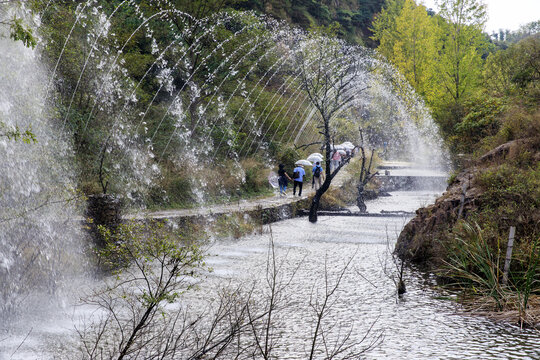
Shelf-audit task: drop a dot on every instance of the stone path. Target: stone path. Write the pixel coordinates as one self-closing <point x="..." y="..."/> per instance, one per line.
<point x="238" y="206"/>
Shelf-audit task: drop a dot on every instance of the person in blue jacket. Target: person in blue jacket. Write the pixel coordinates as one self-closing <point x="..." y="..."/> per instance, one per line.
<point x="298" y="177"/>
<point x="317" y="173"/>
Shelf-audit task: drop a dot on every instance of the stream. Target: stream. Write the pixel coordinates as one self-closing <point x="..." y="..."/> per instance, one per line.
<point x="423" y="324"/>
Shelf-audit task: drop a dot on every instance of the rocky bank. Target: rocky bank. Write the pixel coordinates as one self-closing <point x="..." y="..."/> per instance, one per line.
<point x="422" y="239"/>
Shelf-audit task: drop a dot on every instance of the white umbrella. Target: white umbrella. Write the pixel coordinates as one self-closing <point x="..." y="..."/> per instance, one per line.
<point x="337" y="147"/>
<point x="316" y="154"/>
<point x="349" y="146"/>
<point x="273" y="179"/>
<point x="342" y="152"/>
<point x="303" y="162"/>
<point x="314" y="158"/>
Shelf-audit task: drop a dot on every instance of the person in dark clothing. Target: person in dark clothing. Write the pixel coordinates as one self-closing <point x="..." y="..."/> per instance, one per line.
<point x="283" y="180"/>
<point x="318" y="176"/>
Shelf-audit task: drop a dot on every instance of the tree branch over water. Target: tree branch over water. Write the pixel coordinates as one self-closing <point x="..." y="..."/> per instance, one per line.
<point x="144" y="314"/>
<point x="332" y="75"/>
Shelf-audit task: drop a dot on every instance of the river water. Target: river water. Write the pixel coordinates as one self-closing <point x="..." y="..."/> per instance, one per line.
<point x="421" y="325"/>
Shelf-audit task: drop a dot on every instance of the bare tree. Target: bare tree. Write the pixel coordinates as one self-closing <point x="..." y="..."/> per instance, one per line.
<point x="331" y="75"/>
<point x="365" y="174"/>
<point x="263" y="330"/>
<point x="140" y="316"/>
<point x="344" y="347"/>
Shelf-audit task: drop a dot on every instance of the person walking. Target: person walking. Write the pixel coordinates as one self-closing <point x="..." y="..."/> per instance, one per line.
<point x="317" y="172"/>
<point x="336" y="159"/>
<point x="283" y="180"/>
<point x="298" y="176"/>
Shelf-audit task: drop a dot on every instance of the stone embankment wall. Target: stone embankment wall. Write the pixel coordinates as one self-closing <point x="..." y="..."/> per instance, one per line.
<point x="261" y="215"/>
<point x="222" y="220"/>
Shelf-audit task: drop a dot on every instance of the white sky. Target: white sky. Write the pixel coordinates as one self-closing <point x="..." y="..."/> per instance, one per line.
<point x="505" y="14"/>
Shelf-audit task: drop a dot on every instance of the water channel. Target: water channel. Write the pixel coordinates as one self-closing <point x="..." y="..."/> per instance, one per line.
<point x="421" y="325"/>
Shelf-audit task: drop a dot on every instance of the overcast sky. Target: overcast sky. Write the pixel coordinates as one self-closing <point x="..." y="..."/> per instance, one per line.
<point x="505" y="14"/>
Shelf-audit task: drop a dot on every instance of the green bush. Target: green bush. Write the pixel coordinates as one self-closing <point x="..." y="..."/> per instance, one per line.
<point x="511" y="190"/>
<point x="481" y="120"/>
<point x="287" y="156"/>
<point x="256" y="177"/>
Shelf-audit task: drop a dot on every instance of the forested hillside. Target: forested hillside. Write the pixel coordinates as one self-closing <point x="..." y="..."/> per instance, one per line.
<point x="484" y="92"/>
<point x="354" y="16"/>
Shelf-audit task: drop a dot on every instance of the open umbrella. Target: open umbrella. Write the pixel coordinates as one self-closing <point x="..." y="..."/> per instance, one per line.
<point x="337" y="147"/>
<point x="342" y="152"/>
<point x="348" y="145"/>
<point x="273" y="179"/>
<point x="313" y="158"/>
<point x="316" y="154"/>
<point x="303" y="162"/>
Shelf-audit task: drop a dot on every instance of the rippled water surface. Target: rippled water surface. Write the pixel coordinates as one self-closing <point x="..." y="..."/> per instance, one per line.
<point x="422" y="325"/>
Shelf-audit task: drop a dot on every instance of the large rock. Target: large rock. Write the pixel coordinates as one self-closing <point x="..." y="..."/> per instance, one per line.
<point x="422" y="239"/>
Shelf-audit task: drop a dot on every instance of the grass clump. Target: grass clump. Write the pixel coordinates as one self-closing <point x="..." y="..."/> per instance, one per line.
<point x="475" y="265"/>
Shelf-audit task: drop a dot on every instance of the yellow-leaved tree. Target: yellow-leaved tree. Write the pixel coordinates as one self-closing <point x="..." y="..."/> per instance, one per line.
<point x="460" y="63"/>
<point x="416" y="48"/>
<point x="411" y="40"/>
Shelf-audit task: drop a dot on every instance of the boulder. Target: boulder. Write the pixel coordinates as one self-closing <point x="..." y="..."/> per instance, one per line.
<point x="421" y="239"/>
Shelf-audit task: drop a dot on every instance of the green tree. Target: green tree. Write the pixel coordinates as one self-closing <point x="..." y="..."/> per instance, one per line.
<point x="461" y="54"/>
<point x="384" y="27"/>
<point x="416" y="48"/>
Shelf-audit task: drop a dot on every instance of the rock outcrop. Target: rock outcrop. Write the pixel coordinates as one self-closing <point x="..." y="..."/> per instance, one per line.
<point x="422" y="240"/>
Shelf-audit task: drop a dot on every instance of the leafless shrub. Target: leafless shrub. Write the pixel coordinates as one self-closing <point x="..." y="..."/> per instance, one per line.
<point x="142" y="312"/>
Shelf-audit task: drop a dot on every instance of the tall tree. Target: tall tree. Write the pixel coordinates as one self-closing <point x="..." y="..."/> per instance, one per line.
<point x="461" y="56"/>
<point x="415" y="47"/>
<point x="384" y="27"/>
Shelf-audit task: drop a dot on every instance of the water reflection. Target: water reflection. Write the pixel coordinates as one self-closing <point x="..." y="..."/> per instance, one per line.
<point x="421" y="326"/>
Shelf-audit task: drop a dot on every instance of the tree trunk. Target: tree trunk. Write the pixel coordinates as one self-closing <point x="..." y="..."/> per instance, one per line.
<point x="314" y="207"/>
<point x="360" y="202"/>
<point x="316" y="198"/>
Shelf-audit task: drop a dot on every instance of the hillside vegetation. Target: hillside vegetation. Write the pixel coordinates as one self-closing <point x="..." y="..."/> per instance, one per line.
<point x="484" y="92"/>
<point x="354" y="16"/>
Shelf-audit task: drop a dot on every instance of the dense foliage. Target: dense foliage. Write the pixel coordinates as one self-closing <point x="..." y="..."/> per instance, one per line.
<point x="354" y="16"/>
<point x="484" y="93"/>
<point x="156" y="94"/>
